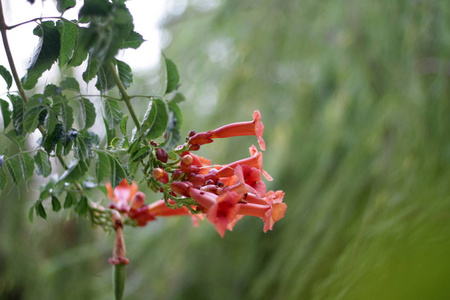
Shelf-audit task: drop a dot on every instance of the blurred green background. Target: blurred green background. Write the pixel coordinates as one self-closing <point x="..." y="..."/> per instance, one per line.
<point x="355" y="101"/>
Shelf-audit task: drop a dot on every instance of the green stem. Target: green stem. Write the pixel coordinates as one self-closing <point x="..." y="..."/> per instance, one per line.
<point x="3" y="29"/>
<point x="124" y="94"/>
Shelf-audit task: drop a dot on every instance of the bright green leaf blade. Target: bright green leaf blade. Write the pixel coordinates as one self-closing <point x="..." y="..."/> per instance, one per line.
<point x="156" y="128"/>
<point x="134" y="40"/>
<point x="125" y="73"/>
<point x="113" y="112"/>
<point x="6" y="76"/>
<point x="142" y="153"/>
<point x="117" y="173"/>
<point x="80" y="53"/>
<point x="173" y="78"/>
<point x="6" y="113"/>
<point x="102" y="166"/>
<point x="45" y="55"/>
<point x="70" y="83"/>
<point x="71" y="199"/>
<point x="14" y="170"/>
<point x="56" y="205"/>
<point x="63" y="5"/>
<point x="87" y="113"/>
<point x="123" y="125"/>
<point x="68" y="36"/>
<point x="43" y="165"/>
<point x="82" y="206"/>
<point x="27" y="165"/>
<point x="91" y="70"/>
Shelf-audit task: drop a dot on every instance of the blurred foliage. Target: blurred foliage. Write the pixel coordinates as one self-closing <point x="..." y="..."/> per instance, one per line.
<point x="354" y="99"/>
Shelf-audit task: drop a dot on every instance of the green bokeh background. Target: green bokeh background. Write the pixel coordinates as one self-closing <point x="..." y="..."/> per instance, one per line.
<point x="355" y="101"/>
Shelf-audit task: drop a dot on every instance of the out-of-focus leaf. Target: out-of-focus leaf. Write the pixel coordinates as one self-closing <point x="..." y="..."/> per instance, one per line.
<point x="125" y="73"/>
<point x="80" y="53"/>
<point x="123" y="125"/>
<point x="102" y="166"/>
<point x="63" y="5"/>
<point x="70" y="83"/>
<point x="155" y="119"/>
<point x="81" y="152"/>
<point x="173" y="78"/>
<point x="14" y="169"/>
<point x="91" y="70"/>
<point x="95" y="8"/>
<point x="113" y="112"/>
<point x="6" y="112"/>
<point x="82" y="206"/>
<point x="2" y="178"/>
<point x="105" y="80"/>
<point x="27" y="165"/>
<point x="173" y="127"/>
<point x="31" y="213"/>
<point x="178" y="98"/>
<point x="68" y="36"/>
<point x="134" y="40"/>
<point x="110" y="133"/>
<point x="43" y="165"/>
<point x="40" y="210"/>
<point x="46" y="54"/>
<point x="87" y="113"/>
<point x="56" y="205"/>
<point x="17" y="114"/>
<point x="118" y="172"/>
<point x="71" y="199"/>
<point x="75" y="170"/>
<point x="7" y="76"/>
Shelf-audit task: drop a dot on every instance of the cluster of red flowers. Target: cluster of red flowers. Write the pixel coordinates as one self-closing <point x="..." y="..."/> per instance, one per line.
<point x="224" y="193"/>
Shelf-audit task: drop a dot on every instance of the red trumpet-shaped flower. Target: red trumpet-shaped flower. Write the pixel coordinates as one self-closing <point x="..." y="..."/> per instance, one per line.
<point x="254" y="127"/>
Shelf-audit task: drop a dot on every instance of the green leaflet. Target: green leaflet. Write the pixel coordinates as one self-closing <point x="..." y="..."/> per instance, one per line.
<point x="102" y="166"/>
<point x="87" y="113"/>
<point x="6" y="76"/>
<point x="173" y="78"/>
<point x="43" y="165"/>
<point x="125" y="73"/>
<point x="63" y="5"/>
<point x="113" y="112"/>
<point x="68" y="36"/>
<point x="6" y="113"/>
<point x="155" y="120"/>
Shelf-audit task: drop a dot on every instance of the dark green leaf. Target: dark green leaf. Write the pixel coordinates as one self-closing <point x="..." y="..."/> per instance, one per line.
<point x="95" y="8"/>
<point x="68" y="36"/>
<point x="117" y="171"/>
<point x="110" y="133"/>
<point x="80" y="52"/>
<point x="81" y="152"/>
<point x="2" y="178"/>
<point x="75" y="170"/>
<point x="40" y="210"/>
<point x="70" y="83"/>
<point x="134" y="147"/>
<point x="125" y="73"/>
<point x="56" y="205"/>
<point x="173" y="78"/>
<point x="82" y="206"/>
<point x="155" y="119"/>
<point x="141" y="154"/>
<point x="43" y="165"/>
<point x="105" y="80"/>
<point x="123" y="125"/>
<point x="14" y="169"/>
<point x="31" y="213"/>
<point x="134" y="40"/>
<point x="91" y="69"/>
<point x="87" y="113"/>
<point x="6" y="113"/>
<point x="17" y="114"/>
<point x="71" y="199"/>
<point x="27" y="165"/>
<point x="45" y="55"/>
<point x="7" y="76"/>
<point x="32" y="116"/>
<point x="52" y="136"/>
<point x="61" y="105"/>
<point x="102" y="166"/>
<point x="63" y="5"/>
<point x="113" y="112"/>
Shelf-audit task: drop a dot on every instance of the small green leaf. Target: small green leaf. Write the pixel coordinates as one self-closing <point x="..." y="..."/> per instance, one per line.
<point x="134" y="40"/>
<point x="68" y="36"/>
<point x="14" y="169"/>
<point x="31" y="213"/>
<point x="173" y="78"/>
<point x="61" y="105"/>
<point x="70" y="83"/>
<point x="123" y="125"/>
<point x="141" y="154"/>
<point x="82" y="206"/>
<point x="56" y="205"/>
<point x="113" y="112"/>
<point x="43" y="165"/>
<point x="76" y="170"/>
<point x="155" y="119"/>
<point x="40" y="210"/>
<point x="71" y="198"/>
<point x="87" y="113"/>
<point x="178" y="98"/>
<point x="7" y="76"/>
<point x="63" y="5"/>
<point x="27" y="165"/>
<point x="125" y="73"/>
<point x="6" y="113"/>
<point x="102" y="166"/>
<point x="45" y="55"/>
<point x="134" y="147"/>
<point x="117" y="171"/>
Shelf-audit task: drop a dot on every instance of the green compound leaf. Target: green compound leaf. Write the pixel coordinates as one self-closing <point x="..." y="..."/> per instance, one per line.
<point x="68" y="36"/>
<point x="70" y="83"/>
<point x="63" y="5"/>
<point x="125" y="73"/>
<point x="14" y="169"/>
<point x="173" y="78"/>
<point x="46" y="54"/>
<point x="43" y="165"/>
<point x="113" y="112"/>
<point x="155" y="119"/>
<point x="7" y="76"/>
<point x="6" y="113"/>
<point x="102" y="166"/>
<point x="56" y="205"/>
<point x="134" y="40"/>
<point x="87" y="113"/>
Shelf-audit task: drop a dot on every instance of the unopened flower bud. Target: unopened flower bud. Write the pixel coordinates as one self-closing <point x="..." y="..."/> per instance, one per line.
<point x="187" y="159"/>
<point x="192" y="133"/>
<point x="161" y="175"/>
<point x="162" y="155"/>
